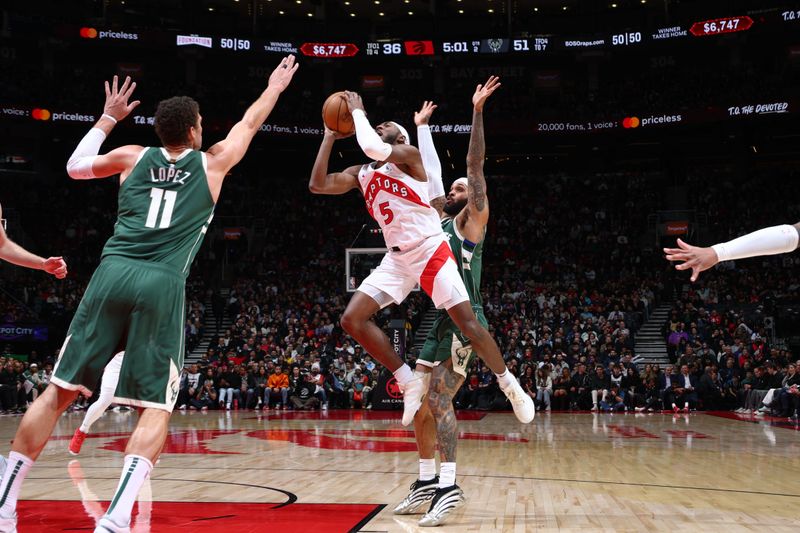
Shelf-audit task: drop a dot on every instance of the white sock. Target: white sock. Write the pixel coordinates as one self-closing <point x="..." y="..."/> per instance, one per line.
<point x="447" y="475"/>
<point x="93" y="414"/>
<point x="686" y="405"/>
<point x="427" y="469"/>
<point x="134" y="472"/>
<point x="403" y="374"/>
<point x="17" y="468"/>
<point x="505" y="379"/>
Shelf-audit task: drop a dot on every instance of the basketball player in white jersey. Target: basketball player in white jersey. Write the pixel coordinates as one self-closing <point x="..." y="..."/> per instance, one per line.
<point x="107" y="387"/>
<point x="767" y="241"/>
<point x="395" y="188"/>
<point x="17" y="255"/>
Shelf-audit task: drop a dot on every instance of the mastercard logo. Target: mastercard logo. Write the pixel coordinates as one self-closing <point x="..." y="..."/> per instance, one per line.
<point x="41" y="114"/>
<point x="88" y="33"/>
<point x="631" y="122"/>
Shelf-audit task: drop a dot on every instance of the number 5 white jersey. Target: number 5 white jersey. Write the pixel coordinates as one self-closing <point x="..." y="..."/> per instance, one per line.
<point x="400" y="204"/>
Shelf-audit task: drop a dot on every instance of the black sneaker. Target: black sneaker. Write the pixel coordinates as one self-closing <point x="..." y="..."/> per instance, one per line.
<point x="421" y="492"/>
<point x="446" y="500"/>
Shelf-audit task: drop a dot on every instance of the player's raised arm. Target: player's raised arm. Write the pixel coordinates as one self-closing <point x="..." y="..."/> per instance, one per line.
<point x="375" y="147"/>
<point x="224" y="155"/>
<point x="430" y="159"/>
<point x="767" y="241"/>
<point x="17" y="255"/>
<point x="85" y="163"/>
<point x="322" y="182"/>
<point x="478" y="203"/>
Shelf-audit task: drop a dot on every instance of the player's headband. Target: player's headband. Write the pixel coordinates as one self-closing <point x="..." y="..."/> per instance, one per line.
<point x="403" y="131"/>
<point x="462" y="181"/>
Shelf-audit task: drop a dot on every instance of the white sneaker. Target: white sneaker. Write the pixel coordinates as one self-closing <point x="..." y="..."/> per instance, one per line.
<point x="413" y="393"/>
<point x="421" y="493"/>
<point x="444" y="502"/>
<point x="520" y="402"/>
<point x="105" y="525"/>
<point x="9" y="525"/>
<point x="325" y="406"/>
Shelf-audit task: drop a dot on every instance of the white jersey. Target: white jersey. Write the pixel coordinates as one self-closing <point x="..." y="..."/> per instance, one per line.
<point x="400" y="204"/>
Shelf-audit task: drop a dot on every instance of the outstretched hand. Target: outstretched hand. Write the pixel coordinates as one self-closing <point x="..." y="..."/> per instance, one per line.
<point x="695" y="258"/>
<point x="482" y="92"/>
<point x="117" y="105"/>
<point x="55" y="266"/>
<point x="283" y="73"/>
<point x="422" y="116"/>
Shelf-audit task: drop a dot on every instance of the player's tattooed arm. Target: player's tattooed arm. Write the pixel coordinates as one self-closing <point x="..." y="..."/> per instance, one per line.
<point x="478" y="203"/>
<point x="443" y="388"/>
<point x="438" y="204"/>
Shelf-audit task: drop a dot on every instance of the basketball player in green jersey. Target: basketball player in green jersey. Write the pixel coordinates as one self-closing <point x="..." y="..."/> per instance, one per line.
<point x="135" y="300"/>
<point x="446" y="353"/>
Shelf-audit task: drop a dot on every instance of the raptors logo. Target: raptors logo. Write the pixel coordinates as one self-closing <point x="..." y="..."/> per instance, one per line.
<point x="393" y="389"/>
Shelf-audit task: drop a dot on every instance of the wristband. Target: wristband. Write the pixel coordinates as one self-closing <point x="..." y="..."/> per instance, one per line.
<point x="109" y="117"/>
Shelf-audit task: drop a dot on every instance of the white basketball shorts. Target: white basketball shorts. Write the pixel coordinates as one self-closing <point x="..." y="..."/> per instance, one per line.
<point x="431" y="264"/>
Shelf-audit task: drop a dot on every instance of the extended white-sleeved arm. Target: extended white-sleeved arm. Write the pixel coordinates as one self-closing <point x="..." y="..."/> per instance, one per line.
<point x="80" y="163"/>
<point x="430" y="160"/>
<point x="369" y="141"/>
<point x="768" y="241"/>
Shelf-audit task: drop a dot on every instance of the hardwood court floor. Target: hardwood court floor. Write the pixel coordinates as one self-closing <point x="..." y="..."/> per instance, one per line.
<point x="334" y="472"/>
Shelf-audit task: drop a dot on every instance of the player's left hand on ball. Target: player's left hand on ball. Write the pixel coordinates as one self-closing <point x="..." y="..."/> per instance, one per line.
<point x="482" y="92"/>
<point x="117" y="105"/>
<point x="422" y="116"/>
<point x="353" y="101"/>
<point x="337" y="134"/>
<point x="695" y="258"/>
<point x="55" y="266"/>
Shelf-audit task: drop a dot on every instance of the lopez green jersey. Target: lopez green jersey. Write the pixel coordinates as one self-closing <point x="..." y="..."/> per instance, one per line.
<point x="165" y="207"/>
<point x="469" y="258"/>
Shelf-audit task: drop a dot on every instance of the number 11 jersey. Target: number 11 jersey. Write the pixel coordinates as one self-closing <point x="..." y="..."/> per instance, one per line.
<point x="165" y="207"/>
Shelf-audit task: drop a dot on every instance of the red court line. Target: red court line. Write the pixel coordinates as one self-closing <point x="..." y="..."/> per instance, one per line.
<point x="39" y="516"/>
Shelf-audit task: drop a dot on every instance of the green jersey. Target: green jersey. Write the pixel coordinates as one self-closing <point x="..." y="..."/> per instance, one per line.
<point x="165" y="207"/>
<point x="469" y="258"/>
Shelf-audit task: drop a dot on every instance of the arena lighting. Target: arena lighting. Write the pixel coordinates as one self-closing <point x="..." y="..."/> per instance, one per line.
<point x="380" y="14"/>
<point x="461" y="11"/>
<point x="491" y="10"/>
<point x="352" y="14"/>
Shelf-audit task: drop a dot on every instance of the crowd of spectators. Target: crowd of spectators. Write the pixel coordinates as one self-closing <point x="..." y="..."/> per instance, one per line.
<point x="569" y="278"/>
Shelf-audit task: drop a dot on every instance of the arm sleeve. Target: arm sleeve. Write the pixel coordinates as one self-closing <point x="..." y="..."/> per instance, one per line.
<point x="369" y="141"/>
<point x="767" y="241"/>
<point x="80" y="163"/>
<point x="430" y="160"/>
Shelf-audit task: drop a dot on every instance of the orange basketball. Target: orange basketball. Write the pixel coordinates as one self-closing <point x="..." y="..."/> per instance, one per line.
<point x="335" y="114"/>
